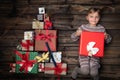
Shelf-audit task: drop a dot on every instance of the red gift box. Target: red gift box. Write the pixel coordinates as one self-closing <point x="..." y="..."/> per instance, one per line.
<point x="93" y="43"/>
<point x="42" y="36"/>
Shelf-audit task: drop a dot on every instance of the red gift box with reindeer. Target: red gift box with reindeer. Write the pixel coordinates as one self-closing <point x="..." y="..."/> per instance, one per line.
<point x="42" y="36"/>
<point x="92" y="44"/>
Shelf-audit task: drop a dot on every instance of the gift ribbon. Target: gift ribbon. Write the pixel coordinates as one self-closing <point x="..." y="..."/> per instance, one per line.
<point x="26" y="63"/>
<point x="45" y="56"/>
<point x="46" y="37"/>
<point x="48" y="24"/>
<point x="58" y="70"/>
<point x="27" y="44"/>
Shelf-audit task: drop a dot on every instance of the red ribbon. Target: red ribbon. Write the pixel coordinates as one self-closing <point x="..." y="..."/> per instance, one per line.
<point x="26" y="63"/>
<point x="46" y="37"/>
<point x="48" y="24"/>
<point x="27" y="44"/>
<point x="58" y="70"/>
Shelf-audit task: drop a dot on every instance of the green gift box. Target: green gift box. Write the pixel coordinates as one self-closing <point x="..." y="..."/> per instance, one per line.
<point x="25" y="62"/>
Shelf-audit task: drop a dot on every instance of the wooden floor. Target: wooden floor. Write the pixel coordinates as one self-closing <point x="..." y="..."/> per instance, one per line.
<point x="14" y="76"/>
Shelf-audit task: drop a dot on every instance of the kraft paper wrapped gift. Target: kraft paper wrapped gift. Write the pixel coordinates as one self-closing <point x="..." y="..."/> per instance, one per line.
<point x="42" y="36"/>
<point x="57" y="57"/>
<point x="61" y="68"/>
<point x="25" y="62"/>
<point x="27" y="45"/>
<point x="92" y="43"/>
<point x="28" y="35"/>
<point x="36" y="24"/>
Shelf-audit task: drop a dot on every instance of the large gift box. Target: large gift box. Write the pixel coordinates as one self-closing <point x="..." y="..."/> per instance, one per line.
<point x="28" y="35"/>
<point x="27" y="45"/>
<point x="92" y="44"/>
<point x="43" y="36"/>
<point x="61" y="68"/>
<point x="25" y="62"/>
<point x="57" y="57"/>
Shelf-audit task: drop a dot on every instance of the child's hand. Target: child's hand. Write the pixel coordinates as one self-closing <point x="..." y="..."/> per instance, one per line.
<point x="106" y="35"/>
<point x="90" y="53"/>
<point x="78" y="32"/>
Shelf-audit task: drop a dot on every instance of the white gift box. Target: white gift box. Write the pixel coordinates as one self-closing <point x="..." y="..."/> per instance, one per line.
<point x="57" y="57"/>
<point x="28" y="35"/>
<point x="41" y="10"/>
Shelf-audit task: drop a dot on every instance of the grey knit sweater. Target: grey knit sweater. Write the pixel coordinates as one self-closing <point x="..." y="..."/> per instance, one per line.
<point x="87" y="27"/>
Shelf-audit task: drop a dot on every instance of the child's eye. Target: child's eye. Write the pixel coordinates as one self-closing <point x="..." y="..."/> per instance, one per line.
<point x="91" y="16"/>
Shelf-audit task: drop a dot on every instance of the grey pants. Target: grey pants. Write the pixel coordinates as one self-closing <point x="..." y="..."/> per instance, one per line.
<point x="88" y="66"/>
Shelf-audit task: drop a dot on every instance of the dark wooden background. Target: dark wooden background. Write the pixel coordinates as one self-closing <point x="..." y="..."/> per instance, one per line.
<point x="16" y="16"/>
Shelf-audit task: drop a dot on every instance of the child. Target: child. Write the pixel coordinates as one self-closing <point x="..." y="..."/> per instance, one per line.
<point x="89" y="65"/>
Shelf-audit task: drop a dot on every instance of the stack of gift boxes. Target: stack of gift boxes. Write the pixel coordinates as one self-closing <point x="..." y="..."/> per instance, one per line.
<point x="33" y="55"/>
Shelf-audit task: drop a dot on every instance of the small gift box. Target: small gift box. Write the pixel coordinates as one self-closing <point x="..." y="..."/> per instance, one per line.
<point x="41" y="10"/>
<point x="36" y="24"/>
<point x="25" y="62"/>
<point x="57" y="57"/>
<point x="27" y="45"/>
<point x="12" y="67"/>
<point x="42" y="57"/>
<point x="92" y="44"/>
<point x="41" y="67"/>
<point x="28" y="35"/>
<point x="42" y="36"/>
<point x="40" y="17"/>
<point x="61" y="68"/>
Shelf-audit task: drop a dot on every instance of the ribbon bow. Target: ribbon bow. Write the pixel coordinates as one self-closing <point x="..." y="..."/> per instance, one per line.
<point x="43" y="57"/>
<point x="25" y="62"/>
<point x="48" y="24"/>
<point x="47" y="37"/>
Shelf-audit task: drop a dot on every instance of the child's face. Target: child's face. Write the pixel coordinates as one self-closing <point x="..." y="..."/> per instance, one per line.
<point x="93" y="18"/>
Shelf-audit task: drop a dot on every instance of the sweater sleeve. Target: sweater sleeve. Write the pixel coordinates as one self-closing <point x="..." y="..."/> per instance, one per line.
<point x="109" y="39"/>
<point x="73" y="36"/>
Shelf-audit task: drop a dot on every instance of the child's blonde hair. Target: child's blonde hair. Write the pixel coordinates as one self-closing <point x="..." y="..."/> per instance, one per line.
<point x="93" y="10"/>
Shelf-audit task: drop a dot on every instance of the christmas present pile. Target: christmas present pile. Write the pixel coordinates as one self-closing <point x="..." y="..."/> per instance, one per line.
<point x="37" y="52"/>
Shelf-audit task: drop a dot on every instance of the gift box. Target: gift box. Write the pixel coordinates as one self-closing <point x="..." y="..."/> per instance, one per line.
<point x="57" y="57"/>
<point x="41" y="10"/>
<point x="27" y="45"/>
<point x="92" y="44"/>
<point x="25" y="62"/>
<point x="42" y="57"/>
<point x="36" y="24"/>
<point x="28" y="35"/>
<point x="41" y="67"/>
<point x="61" y="68"/>
<point x="12" y="67"/>
<point x="42" y="36"/>
<point x="40" y="17"/>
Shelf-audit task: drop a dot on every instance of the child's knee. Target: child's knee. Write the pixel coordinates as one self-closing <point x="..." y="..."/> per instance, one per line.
<point x="94" y="73"/>
<point x="85" y="70"/>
